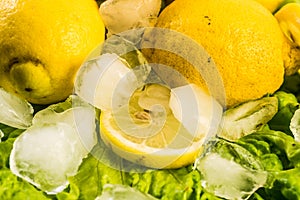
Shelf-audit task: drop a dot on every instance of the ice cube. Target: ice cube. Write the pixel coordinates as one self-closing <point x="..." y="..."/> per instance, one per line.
<point x="295" y="125"/>
<point x="51" y="150"/>
<point x="1" y="135"/>
<point x="100" y="79"/>
<point x="82" y="119"/>
<point x="45" y="156"/>
<point x="122" y="15"/>
<point x="15" y="112"/>
<point x="122" y="192"/>
<point x="199" y="113"/>
<point x="228" y="179"/>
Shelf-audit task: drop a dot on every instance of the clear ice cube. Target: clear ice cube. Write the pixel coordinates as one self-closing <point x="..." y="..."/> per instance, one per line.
<point x="122" y="15"/>
<point x="51" y="150"/>
<point x="295" y="125"/>
<point x="15" y="112"/>
<point x="1" y="135"/>
<point x="121" y="192"/>
<point x="228" y="179"/>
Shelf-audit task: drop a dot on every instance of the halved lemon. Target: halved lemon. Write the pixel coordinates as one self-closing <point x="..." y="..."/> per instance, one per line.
<point x="146" y="131"/>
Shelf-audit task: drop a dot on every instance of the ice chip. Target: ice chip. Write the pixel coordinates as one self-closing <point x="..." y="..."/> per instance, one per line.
<point x="1" y="135"/>
<point x="199" y="113"/>
<point x="295" y="125"/>
<point x="99" y="79"/>
<point x="15" y="112"/>
<point x="52" y="149"/>
<point x="247" y="117"/>
<point x="82" y="119"/>
<point x="122" y="192"/>
<point x="46" y="155"/>
<point x="122" y="15"/>
<point x="228" y="179"/>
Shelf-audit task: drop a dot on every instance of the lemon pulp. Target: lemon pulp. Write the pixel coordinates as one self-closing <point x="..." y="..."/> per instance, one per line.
<point x="146" y="131"/>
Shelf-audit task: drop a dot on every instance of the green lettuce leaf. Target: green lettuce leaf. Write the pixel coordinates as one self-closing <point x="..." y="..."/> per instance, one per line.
<point x="121" y="192"/>
<point x="93" y="175"/>
<point x="13" y="188"/>
<point x="279" y="144"/>
<point x="269" y="151"/>
<point x="285" y="186"/>
<point x="6" y="145"/>
<point x="104" y="167"/>
<point x="5" y="149"/>
<point x="286" y="108"/>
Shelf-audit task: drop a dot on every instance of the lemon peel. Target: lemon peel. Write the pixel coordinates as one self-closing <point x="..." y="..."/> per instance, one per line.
<point x="288" y="18"/>
<point x="246" y="54"/>
<point x="271" y="5"/>
<point x="147" y="156"/>
<point x="22" y="76"/>
<point x="43" y="44"/>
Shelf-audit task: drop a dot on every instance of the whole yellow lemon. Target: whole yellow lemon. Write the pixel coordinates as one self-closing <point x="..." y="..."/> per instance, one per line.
<point x="271" y="5"/>
<point x="242" y="37"/>
<point x="288" y="18"/>
<point x="43" y="43"/>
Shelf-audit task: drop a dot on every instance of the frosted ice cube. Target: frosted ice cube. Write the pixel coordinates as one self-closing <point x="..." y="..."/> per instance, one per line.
<point x="51" y="150"/>
<point x="15" y="112"/>
<point x="295" y="125"/>
<point x="99" y="79"/>
<point x="82" y="119"/>
<point x="227" y="179"/>
<point x="122" y="15"/>
<point x="121" y="192"/>
<point x="46" y="155"/>
<point x="199" y="113"/>
<point x="1" y="135"/>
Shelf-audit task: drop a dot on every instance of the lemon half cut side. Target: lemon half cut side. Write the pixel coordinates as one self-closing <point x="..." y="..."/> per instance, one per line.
<point x="128" y="131"/>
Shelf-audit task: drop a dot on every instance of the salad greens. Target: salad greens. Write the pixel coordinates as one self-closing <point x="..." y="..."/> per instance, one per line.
<point x="121" y="192"/>
<point x="287" y="105"/>
<point x="263" y="145"/>
<point x="93" y="175"/>
<point x="265" y="152"/>
<point x="274" y="152"/>
<point x="267" y="149"/>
